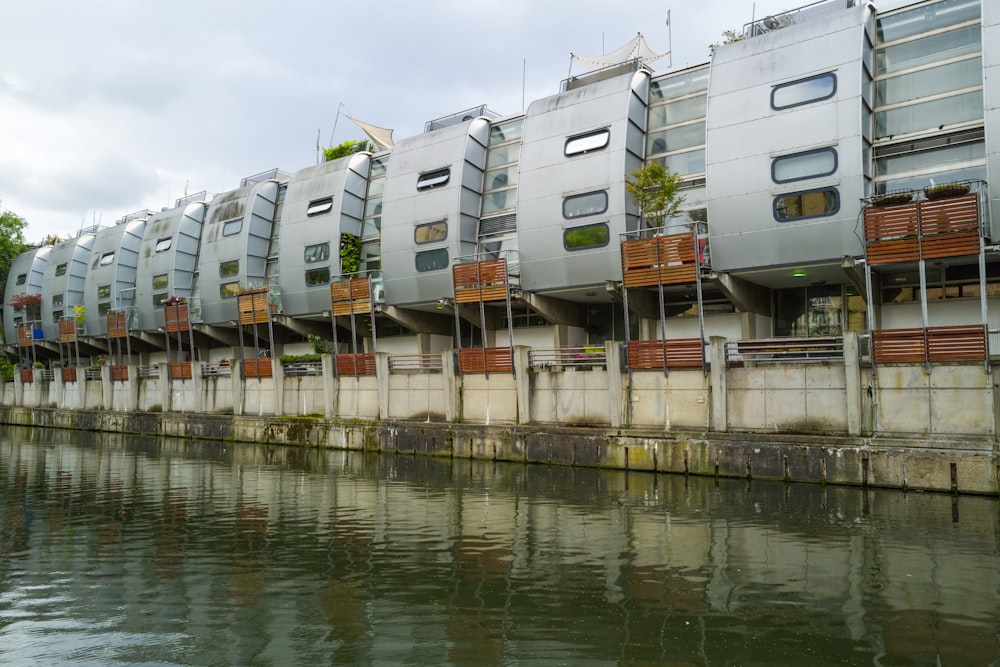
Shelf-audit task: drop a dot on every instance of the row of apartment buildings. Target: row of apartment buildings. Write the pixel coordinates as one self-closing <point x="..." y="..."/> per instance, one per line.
<point x="486" y="230"/>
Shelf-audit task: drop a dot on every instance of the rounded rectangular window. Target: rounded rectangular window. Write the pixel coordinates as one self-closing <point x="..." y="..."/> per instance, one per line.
<point x="107" y="258"/>
<point x="589" y="236"/>
<point x="433" y="179"/>
<point x="163" y="244"/>
<point x="21" y="278"/>
<point x="103" y="308"/>
<point x="229" y="269"/>
<point x="318" y="277"/>
<point x="229" y="290"/>
<point x="61" y="270"/>
<point x="804" y="91"/>
<point x="589" y="203"/>
<point x="319" y="206"/>
<point x="800" y="166"/>
<point x="430" y="232"/>
<point x="161" y="281"/>
<point x="587" y="143"/>
<point x="104" y="292"/>
<point x="432" y="260"/>
<point x="232" y="227"/>
<point x="57" y="301"/>
<point x="809" y="204"/>
<point x="317" y="253"/>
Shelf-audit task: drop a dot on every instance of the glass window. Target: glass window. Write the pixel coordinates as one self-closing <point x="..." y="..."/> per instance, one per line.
<point x="377" y="168"/>
<point x="433" y="179"/>
<point x="104" y="308"/>
<point x="57" y="300"/>
<point x="691" y="162"/>
<point x="163" y="244"/>
<point x="800" y="166"/>
<point x="503" y="177"/>
<point x="503" y="155"/>
<point x="804" y="91"/>
<point x="929" y="115"/>
<point x="104" y="292"/>
<point x="677" y="138"/>
<point x="498" y="200"/>
<point x="229" y="290"/>
<point x="107" y="258"/>
<point x="232" y="227"/>
<point x="432" y="260"/>
<point x="586" y="143"/>
<point x="589" y="236"/>
<point x="507" y="131"/>
<point x="158" y="299"/>
<point x="317" y="253"/>
<point x="430" y="232"/>
<point x="160" y="281"/>
<point x="61" y="270"/>
<point x="678" y="85"/>
<point x="376" y="188"/>
<point x="318" y="276"/>
<point x="932" y="48"/>
<point x="589" y="203"/>
<point x="319" y="206"/>
<point x="808" y="204"/>
<point x="927" y="18"/>
<point x="21" y="278"/>
<point x="927" y="82"/>
<point x="678" y="112"/>
<point x="57" y="315"/>
<point x="229" y="269"/>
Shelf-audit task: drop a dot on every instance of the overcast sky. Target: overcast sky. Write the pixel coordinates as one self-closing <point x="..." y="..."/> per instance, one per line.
<point x="112" y="107"/>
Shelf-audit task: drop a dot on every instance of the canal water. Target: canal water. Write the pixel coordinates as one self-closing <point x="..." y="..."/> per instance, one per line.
<point x="131" y="550"/>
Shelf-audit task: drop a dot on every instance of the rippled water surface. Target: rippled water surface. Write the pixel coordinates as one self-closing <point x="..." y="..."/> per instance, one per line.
<point x="128" y="550"/>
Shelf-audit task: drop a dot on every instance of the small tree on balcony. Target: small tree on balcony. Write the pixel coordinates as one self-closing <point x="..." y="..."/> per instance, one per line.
<point x="29" y="304"/>
<point x="653" y="188"/>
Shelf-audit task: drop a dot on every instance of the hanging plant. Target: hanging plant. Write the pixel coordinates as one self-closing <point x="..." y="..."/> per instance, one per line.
<point x="350" y="254"/>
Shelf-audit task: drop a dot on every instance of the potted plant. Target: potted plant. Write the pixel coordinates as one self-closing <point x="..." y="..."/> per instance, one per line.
<point x="945" y="190"/>
<point x="891" y="199"/>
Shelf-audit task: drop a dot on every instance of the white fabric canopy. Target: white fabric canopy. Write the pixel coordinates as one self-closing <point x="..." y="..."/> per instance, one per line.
<point x="380" y="136"/>
<point x="631" y="50"/>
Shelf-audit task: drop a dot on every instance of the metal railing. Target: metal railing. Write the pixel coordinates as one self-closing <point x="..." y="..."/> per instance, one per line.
<point x="785" y="350"/>
<point x="223" y="369"/>
<point x="149" y="372"/>
<point x="92" y="373"/>
<point x="562" y="358"/>
<point x="302" y="368"/>
<point x="415" y="363"/>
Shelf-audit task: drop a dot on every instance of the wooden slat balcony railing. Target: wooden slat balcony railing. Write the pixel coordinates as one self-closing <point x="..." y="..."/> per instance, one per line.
<point x="253" y="306"/>
<point x="26" y="335"/>
<point x="485" y="360"/>
<point x="657" y="354"/>
<point x="180" y="370"/>
<point x="667" y="260"/>
<point x="117" y="324"/>
<point x="69" y="374"/>
<point x="355" y="364"/>
<point x="257" y="368"/>
<point x="27" y="375"/>
<point x="480" y="281"/>
<point x="918" y="345"/>
<point x="119" y="372"/>
<point x="351" y="295"/>
<point x="177" y="318"/>
<point x="67" y="331"/>
<point x="928" y="229"/>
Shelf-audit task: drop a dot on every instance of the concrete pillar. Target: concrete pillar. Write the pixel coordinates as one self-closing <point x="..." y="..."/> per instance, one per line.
<point x="451" y="386"/>
<point x="329" y="387"/>
<point x="197" y="386"/>
<point x="132" y="388"/>
<point x="522" y="381"/>
<point x="717" y="357"/>
<point x="616" y="390"/>
<point x="382" y="383"/>
<point x="166" y="386"/>
<point x="852" y="374"/>
<point x="238" y="386"/>
<point x="18" y="388"/>
<point x="107" y="388"/>
<point x="60" y="391"/>
<point x="278" y="377"/>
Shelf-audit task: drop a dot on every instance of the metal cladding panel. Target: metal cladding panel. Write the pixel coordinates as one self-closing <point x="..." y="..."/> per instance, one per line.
<point x="744" y="135"/>
<point x="255" y="204"/>
<point x="123" y="240"/>
<point x="344" y="180"/>
<point x="182" y="225"/>
<point x="991" y="98"/>
<point x="546" y="176"/>
<point x="75" y="253"/>
<point x="32" y="264"/>
<point x="460" y="148"/>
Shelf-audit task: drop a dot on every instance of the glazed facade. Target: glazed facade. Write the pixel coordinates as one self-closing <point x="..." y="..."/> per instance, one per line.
<point x="785" y="140"/>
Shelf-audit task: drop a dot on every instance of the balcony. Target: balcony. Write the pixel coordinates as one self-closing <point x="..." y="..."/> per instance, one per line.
<point x="672" y="259"/>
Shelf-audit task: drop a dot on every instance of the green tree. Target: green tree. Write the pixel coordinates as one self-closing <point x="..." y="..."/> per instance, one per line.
<point x="654" y="190"/>
<point x="349" y="147"/>
<point x="11" y="240"/>
<point x="728" y="37"/>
